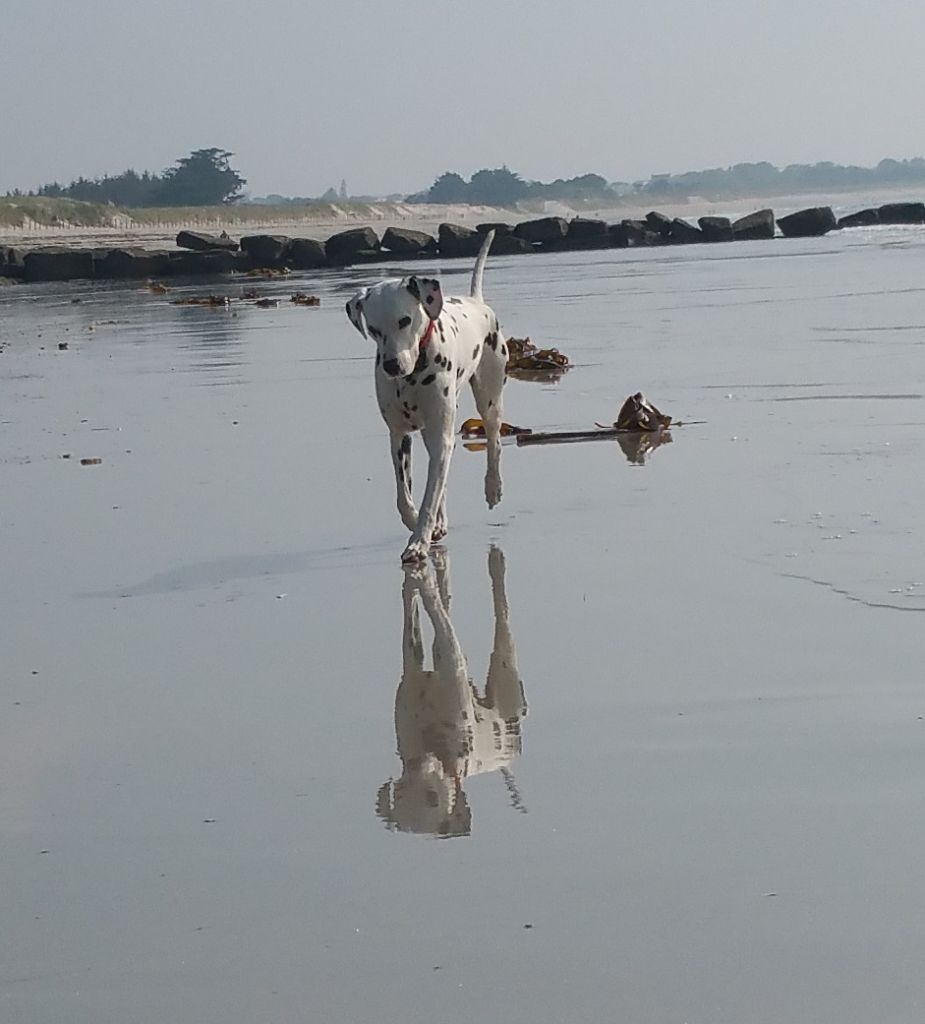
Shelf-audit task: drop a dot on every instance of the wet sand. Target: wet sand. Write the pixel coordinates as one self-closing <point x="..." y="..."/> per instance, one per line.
<point x="708" y="805"/>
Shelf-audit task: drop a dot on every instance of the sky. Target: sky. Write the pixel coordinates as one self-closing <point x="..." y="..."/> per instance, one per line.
<point x="388" y="95"/>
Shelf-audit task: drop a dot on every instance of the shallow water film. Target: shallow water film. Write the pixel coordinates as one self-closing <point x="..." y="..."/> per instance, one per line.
<point x="644" y="743"/>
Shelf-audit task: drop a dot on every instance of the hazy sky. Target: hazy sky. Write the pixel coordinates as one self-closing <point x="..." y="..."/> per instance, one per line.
<point x="389" y="95"/>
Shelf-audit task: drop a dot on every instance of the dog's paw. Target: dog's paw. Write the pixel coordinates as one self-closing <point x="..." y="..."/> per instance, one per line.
<point x="416" y="551"/>
<point x="492" y="491"/>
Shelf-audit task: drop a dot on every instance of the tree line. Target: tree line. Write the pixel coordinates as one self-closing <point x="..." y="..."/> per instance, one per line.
<point x="204" y="178"/>
<point x="764" y="179"/>
<point x="503" y="187"/>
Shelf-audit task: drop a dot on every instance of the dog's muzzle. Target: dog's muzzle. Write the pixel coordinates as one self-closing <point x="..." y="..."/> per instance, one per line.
<point x="390" y="366"/>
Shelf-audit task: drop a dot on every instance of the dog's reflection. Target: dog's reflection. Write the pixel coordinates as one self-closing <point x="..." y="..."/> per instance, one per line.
<point x="445" y="730"/>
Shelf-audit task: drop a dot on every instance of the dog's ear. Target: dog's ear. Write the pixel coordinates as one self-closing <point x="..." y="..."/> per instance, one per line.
<point x="428" y="292"/>
<point x="355" y="311"/>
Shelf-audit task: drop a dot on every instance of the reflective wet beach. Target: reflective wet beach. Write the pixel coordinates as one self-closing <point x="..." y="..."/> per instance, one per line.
<point x="695" y="790"/>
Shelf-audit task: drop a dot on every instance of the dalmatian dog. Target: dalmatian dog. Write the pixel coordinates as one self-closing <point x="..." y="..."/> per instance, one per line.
<point x="428" y="347"/>
<point x="445" y="729"/>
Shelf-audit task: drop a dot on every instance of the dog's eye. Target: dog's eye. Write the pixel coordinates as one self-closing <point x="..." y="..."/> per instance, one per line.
<point x="404" y="322"/>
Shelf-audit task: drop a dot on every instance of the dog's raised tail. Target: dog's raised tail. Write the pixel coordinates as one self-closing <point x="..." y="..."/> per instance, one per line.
<point x="475" y="289"/>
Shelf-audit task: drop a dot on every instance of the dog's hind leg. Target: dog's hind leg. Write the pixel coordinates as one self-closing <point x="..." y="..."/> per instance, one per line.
<point x="503" y="688"/>
<point x="486" y="383"/>
<point x="400" y="445"/>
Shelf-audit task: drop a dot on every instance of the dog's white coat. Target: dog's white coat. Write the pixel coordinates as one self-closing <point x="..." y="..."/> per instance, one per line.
<point x="418" y="388"/>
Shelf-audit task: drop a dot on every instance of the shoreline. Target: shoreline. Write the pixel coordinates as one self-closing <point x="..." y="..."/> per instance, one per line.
<point x="161" y="232"/>
<point x="98" y="253"/>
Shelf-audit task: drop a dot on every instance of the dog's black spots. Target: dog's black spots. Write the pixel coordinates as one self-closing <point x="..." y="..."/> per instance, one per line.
<point x="475" y="352"/>
<point x="405" y="405"/>
<point x="491" y="340"/>
<point x="454" y="300"/>
<point x="405" y="445"/>
<point x="459" y="373"/>
<point x="412" y="287"/>
<point x="452" y="319"/>
<point x="429" y="379"/>
<point x="446" y="391"/>
<point x="465" y="316"/>
<point x="403" y="323"/>
<point x="438" y="359"/>
<point x="421" y="364"/>
<point x="449" y="365"/>
<point x="412" y="381"/>
<point x="429" y="300"/>
<point x="414" y="408"/>
<point x="406" y="414"/>
<point x="490" y="402"/>
<point x="504" y="350"/>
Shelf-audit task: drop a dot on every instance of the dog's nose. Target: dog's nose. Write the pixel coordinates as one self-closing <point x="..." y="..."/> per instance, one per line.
<point x="391" y="367"/>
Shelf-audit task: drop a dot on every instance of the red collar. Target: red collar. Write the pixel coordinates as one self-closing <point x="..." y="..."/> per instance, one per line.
<point x="426" y="336"/>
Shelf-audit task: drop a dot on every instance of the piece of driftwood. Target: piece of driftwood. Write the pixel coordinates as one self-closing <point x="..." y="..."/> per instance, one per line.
<point x="568" y="436"/>
<point x="635" y="444"/>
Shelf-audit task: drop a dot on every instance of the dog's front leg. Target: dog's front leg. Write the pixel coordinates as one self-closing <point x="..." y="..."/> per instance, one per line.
<point x="438" y="440"/>
<point x="412" y="647"/>
<point x="400" y="445"/>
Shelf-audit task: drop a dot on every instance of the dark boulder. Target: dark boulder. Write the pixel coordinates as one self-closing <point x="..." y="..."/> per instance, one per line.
<point x="545" y="229"/>
<point x="902" y="213"/>
<point x="405" y="242"/>
<point x="817" y="220"/>
<point x="457" y="240"/>
<point x="619" y="236"/>
<point x="659" y="223"/>
<point x="304" y="254"/>
<point x="509" y="245"/>
<point x="11" y="262"/>
<point x="683" y="233"/>
<point x="754" y="225"/>
<point x="131" y="262"/>
<point x="265" y="250"/>
<point x="638" y="232"/>
<point x="343" y="247"/>
<point x="199" y="241"/>
<point x="861" y="219"/>
<point x="581" y="228"/>
<point x="196" y="264"/>
<point x="716" y="229"/>
<point x="569" y="244"/>
<point x="57" y="264"/>
<point x="499" y="229"/>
